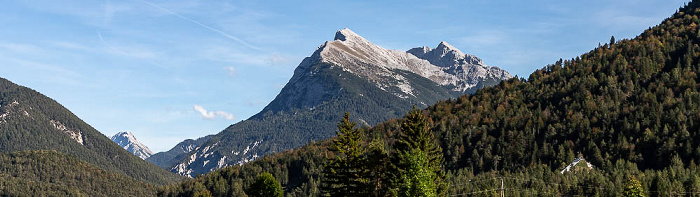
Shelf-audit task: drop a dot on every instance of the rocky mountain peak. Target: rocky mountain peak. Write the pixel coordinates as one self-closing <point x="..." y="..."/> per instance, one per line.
<point x="347" y="34"/>
<point x="419" y="51"/>
<point x="445" y="48"/>
<point x="128" y="141"/>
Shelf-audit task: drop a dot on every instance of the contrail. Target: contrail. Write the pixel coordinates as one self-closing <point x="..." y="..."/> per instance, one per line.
<point x="229" y="36"/>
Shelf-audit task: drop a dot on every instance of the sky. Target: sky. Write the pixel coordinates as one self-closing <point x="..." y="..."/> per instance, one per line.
<point x="169" y="70"/>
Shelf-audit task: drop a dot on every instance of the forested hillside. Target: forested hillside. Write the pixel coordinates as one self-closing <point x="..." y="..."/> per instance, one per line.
<point x="31" y="121"/>
<point x="49" y="173"/>
<point x="630" y="107"/>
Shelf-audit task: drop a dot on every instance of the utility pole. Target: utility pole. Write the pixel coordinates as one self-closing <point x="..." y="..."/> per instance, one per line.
<point x="502" y="194"/>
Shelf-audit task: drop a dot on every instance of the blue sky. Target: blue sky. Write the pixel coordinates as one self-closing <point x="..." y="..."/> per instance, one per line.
<point x="172" y="70"/>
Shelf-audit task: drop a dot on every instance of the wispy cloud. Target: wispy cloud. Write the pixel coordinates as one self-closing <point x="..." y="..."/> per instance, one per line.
<point x="213" y="114"/>
<point x="230" y="70"/>
<point x="20" y="48"/>
<point x="275" y="59"/>
<point x="227" y="35"/>
<point x="71" y="45"/>
<point x="110" y="10"/>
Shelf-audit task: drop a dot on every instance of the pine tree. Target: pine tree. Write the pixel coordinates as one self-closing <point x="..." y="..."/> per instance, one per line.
<point x="418" y="177"/>
<point x="416" y="137"/>
<point x="376" y="160"/>
<point x="633" y="187"/>
<point x="265" y="186"/>
<point x="612" y="40"/>
<point x="346" y="172"/>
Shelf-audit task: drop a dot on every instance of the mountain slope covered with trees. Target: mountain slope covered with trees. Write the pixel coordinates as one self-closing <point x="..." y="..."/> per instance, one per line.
<point x="50" y="173"/>
<point x="30" y="120"/>
<point x="630" y="107"/>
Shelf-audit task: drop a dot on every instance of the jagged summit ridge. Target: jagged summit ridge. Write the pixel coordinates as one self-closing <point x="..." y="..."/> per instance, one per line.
<point x="467" y="67"/>
<point x="445" y="65"/>
<point x="127" y="141"/>
<point x="445" y="55"/>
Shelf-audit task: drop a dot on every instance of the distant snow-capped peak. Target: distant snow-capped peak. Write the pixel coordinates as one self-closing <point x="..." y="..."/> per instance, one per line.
<point x="127" y="141"/>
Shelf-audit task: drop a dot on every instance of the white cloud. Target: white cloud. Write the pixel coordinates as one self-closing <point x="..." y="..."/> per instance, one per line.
<point x="225" y="115"/>
<point x="275" y="59"/>
<point x="230" y="70"/>
<point x="213" y="114"/>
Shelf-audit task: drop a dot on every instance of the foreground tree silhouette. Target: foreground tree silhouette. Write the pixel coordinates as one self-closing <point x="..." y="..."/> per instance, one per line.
<point x="265" y="186"/>
<point x="346" y="173"/>
<point x="417" y="157"/>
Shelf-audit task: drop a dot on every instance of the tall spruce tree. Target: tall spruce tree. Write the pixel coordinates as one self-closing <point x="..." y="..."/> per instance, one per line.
<point x="418" y="177"/>
<point x="416" y="137"/>
<point x="376" y="160"/>
<point x="345" y="174"/>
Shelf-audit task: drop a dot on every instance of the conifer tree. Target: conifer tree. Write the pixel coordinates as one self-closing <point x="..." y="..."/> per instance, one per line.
<point x="346" y="172"/>
<point x="418" y="177"/>
<point x="633" y="187"/>
<point x="416" y="137"/>
<point x="376" y="160"/>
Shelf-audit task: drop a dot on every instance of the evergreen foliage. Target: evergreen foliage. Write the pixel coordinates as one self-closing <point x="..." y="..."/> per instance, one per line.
<point x="346" y="173"/>
<point x="50" y="173"/>
<point x="633" y="188"/>
<point x="265" y="186"/>
<point x="413" y="141"/>
<point x="418" y="177"/>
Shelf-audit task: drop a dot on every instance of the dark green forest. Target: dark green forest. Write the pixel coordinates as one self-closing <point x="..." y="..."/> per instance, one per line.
<point x="50" y="173"/>
<point x="630" y="107"/>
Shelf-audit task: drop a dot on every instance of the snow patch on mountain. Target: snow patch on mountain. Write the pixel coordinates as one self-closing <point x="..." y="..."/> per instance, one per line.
<point x="127" y="141"/>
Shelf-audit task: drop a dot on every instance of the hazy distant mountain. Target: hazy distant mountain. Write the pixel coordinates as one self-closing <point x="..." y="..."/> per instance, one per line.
<point x="348" y="74"/>
<point x="127" y="141"/>
<point x="32" y="121"/>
